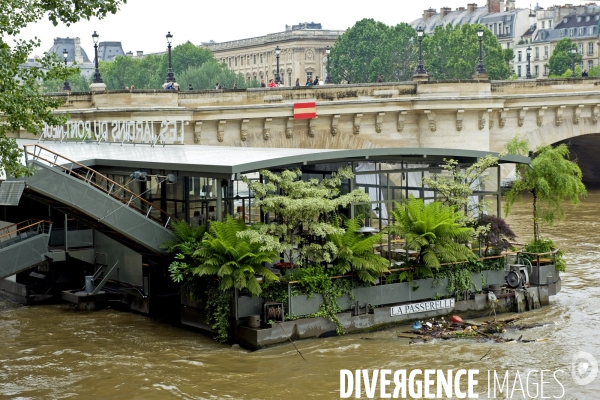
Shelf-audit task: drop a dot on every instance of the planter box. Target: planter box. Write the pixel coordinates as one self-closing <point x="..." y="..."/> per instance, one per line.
<point x="542" y="277"/>
<point x="383" y="294"/>
<point x="476" y="279"/>
<point x="425" y="289"/>
<point x="248" y="306"/>
<point x="495" y="277"/>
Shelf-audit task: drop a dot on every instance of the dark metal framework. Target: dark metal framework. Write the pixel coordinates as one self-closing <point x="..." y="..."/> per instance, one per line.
<point x="97" y="76"/>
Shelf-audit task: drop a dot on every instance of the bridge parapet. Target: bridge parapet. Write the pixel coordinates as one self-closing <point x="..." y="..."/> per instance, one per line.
<point x="470" y="115"/>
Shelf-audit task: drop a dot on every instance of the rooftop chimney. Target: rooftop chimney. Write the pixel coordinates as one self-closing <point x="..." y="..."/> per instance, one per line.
<point x="471" y="7"/>
<point x="445" y="11"/>
<point x="510" y="5"/>
<point x="430" y="12"/>
<point x="493" y="6"/>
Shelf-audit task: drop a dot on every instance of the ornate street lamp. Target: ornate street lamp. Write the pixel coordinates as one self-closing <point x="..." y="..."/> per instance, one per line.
<point x="97" y="76"/>
<point x="420" y="68"/>
<point x="480" y="67"/>
<point x="277" y="52"/>
<point x="66" y="84"/>
<point x="170" y="75"/>
<point x="573" y="52"/>
<point x="328" y="77"/>
<point x="528" y="76"/>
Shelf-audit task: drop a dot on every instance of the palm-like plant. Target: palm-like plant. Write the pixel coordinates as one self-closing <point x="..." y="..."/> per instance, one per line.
<point x="186" y="240"/>
<point x="355" y="253"/>
<point x="234" y="259"/>
<point x="433" y="231"/>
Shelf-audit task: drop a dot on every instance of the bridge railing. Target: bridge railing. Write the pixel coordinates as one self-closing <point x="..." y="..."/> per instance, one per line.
<point x="22" y="230"/>
<point x="35" y="152"/>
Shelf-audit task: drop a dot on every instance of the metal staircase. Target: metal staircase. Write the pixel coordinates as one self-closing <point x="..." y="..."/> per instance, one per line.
<point x="23" y="245"/>
<point x="102" y="201"/>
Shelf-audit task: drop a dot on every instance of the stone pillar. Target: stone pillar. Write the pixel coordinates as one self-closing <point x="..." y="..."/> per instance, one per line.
<point x="420" y="77"/>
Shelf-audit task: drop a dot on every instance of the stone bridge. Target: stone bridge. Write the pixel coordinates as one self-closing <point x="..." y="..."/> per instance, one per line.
<point x="473" y="115"/>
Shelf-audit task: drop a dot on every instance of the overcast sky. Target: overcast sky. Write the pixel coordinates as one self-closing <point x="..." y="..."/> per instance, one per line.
<point x="143" y="24"/>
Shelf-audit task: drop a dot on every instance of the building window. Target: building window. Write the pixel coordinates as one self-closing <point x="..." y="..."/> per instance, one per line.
<point x="543" y="24"/>
<point x="235" y="61"/>
<point x="590" y="48"/>
<point x="580" y="46"/>
<point x="562" y="33"/>
<point x="537" y="70"/>
<point x="519" y="71"/>
<point x="571" y="32"/>
<point x="546" y="51"/>
<point x="546" y="70"/>
<point x="261" y="59"/>
<point x="229" y="61"/>
<point x="309" y="76"/>
<point x="508" y="45"/>
<point x="580" y="33"/>
<point x="519" y="57"/>
<point x="242" y="60"/>
<point x="590" y="30"/>
<point x="255" y="59"/>
<point x="590" y="64"/>
<point x="537" y="53"/>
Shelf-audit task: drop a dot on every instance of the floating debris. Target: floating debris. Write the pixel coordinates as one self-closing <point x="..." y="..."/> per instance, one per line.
<point x="457" y="328"/>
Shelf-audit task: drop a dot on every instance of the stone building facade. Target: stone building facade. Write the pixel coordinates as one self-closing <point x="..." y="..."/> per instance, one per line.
<point x="578" y="23"/>
<point x="503" y="19"/>
<point x="303" y="53"/>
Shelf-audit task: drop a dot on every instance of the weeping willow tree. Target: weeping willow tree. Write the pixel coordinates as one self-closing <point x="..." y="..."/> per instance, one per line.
<point x="551" y="179"/>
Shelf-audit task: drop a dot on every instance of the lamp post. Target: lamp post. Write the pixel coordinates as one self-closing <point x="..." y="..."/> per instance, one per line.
<point x="573" y="51"/>
<point x="277" y="52"/>
<point x="328" y="77"/>
<point x="480" y="67"/>
<point x="170" y="75"/>
<point x="420" y="68"/>
<point x="97" y="76"/>
<point x="66" y="84"/>
<point x="528" y="76"/>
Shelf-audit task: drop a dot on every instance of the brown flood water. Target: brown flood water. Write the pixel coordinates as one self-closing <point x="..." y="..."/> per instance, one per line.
<point x="52" y="352"/>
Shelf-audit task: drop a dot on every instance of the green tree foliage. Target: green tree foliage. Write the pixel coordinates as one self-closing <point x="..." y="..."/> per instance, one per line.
<point x="77" y="82"/>
<point x="560" y="61"/>
<point x="433" y="230"/>
<point x="143" y="73"/>
<point x="594" y="71"/>
<point x="304" y="209"/>
<point x="497" y="236"/>
<point x="191" y="64"/>
<point x="552" y="178"/>
<point x="233" y="258"/>
<point x="455" y="187"/>
<point x="452" y="52"/>
<point x="186" y="240"/>
<point x="355" y="253"/>
<point x="210" y="73"/>
<point x="371" y="48"/>
<point x="21" y="102"/>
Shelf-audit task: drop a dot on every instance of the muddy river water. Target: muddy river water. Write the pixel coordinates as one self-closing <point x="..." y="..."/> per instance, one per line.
<point x="53" y="352"/>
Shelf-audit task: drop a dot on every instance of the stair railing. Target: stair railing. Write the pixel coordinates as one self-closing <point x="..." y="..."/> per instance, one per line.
<point x="35" y="152"/>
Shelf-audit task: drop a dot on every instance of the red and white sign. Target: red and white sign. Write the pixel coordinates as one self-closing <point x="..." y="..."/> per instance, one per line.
<point x="305" y="110"/>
